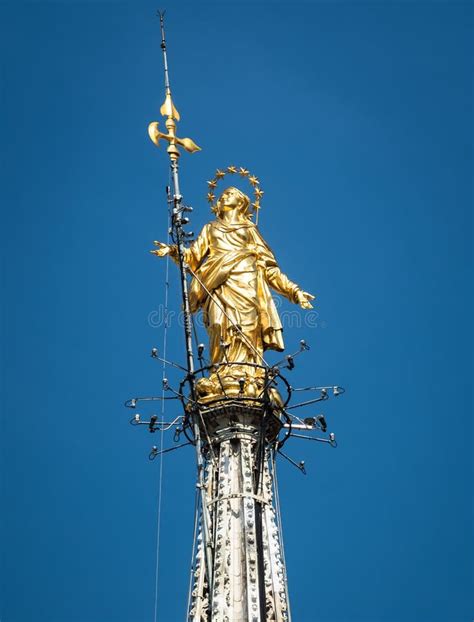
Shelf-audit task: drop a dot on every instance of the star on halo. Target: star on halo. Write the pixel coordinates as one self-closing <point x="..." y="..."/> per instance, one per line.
<point x="244" y="173"/>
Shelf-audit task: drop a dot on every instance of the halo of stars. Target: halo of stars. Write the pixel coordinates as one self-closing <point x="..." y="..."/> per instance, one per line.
<point x="244" y="173"/>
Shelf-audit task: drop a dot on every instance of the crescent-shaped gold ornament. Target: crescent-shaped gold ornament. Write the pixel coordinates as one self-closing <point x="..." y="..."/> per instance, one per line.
<point x="155" y="135"/>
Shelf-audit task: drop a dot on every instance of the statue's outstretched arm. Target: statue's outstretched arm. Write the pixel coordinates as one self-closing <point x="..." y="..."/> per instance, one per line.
<point x="279" y="281"/>
<point x="193" y="255"/>
<point x="282" y="285"/>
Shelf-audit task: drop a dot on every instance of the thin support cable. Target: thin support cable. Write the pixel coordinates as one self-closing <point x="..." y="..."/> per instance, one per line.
<point x="208" y="438"/>
<point x="158" y="523"/>
<point x="195" y="335"/>
<point x="160" y="477"/>
<point x="211" y="448"/>
<point x="215" y="299"/>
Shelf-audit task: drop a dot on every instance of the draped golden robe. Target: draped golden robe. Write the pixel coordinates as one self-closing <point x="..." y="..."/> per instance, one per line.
<point x="233" y="270"/>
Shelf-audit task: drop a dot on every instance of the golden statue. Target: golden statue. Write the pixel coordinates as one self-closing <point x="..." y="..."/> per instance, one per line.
<point x="233" y="270"/>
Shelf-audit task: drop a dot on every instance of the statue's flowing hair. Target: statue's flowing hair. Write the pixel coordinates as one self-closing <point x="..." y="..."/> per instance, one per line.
<point x="244" y="208"/>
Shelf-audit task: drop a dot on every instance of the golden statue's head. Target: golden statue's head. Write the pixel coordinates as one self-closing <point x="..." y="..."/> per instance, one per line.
<point x="232" y="199"/>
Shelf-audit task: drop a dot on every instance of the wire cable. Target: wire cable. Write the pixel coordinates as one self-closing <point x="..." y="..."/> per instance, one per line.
<point x="160" y="476"/>
<point x="158" y="524"/>
<point x="219" y="304"/>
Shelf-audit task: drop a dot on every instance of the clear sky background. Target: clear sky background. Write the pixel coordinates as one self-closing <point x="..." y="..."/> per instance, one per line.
<point x="357" y="118"/>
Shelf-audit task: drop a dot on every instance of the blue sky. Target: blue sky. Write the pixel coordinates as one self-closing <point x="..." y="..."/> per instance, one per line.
<point x="357" y="118"/>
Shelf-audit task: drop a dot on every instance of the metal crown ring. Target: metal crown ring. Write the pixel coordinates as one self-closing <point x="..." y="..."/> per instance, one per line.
<point x="243" y="172"/>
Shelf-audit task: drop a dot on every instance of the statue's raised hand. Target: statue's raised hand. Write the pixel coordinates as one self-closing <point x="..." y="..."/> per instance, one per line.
<point x="304" y="299"/>
<point x="163" y="249"/>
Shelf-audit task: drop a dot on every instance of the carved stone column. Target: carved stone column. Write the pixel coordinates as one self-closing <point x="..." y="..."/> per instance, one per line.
<point x="249" y="577"/>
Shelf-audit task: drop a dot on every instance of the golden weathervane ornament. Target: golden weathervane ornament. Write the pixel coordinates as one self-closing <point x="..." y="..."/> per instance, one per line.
<point x="169" y="111"/>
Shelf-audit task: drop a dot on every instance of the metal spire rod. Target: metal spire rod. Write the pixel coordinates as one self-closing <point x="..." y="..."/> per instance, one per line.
<point x="161" y="15"/>
<point x="169" y="111"/>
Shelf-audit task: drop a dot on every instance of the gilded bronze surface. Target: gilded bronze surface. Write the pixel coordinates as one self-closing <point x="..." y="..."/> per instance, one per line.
<point x="233" y="270"/>
<point x="169" y="111"/>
